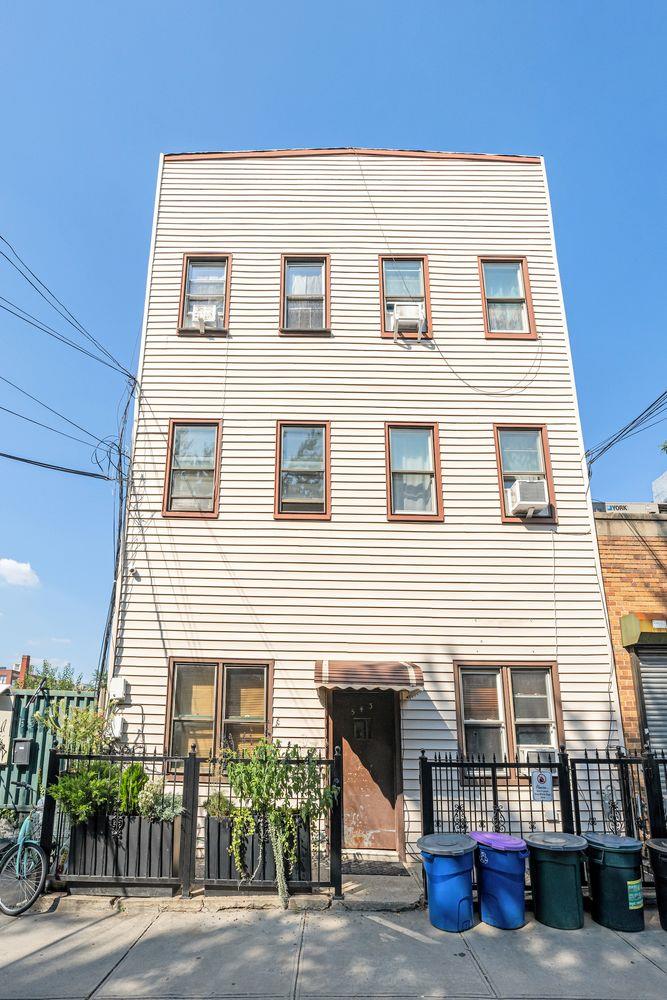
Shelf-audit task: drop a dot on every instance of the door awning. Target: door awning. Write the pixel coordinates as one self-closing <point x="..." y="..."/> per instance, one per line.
<point x="361" y="675"/>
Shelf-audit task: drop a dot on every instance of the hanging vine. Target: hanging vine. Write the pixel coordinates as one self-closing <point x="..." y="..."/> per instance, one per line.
<point x="276" y="786"/>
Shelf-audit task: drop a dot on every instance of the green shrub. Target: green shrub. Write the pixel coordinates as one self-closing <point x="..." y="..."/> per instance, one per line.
<point x="92" y="788"/>
<point x="78" y="730"/>
<point x="156" y="804"/>
<point x="132" y="781"/>
<point x="218" y="806"/>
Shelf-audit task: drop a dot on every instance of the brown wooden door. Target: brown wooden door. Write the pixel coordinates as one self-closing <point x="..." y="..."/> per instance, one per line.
<point x="364" y="725"/>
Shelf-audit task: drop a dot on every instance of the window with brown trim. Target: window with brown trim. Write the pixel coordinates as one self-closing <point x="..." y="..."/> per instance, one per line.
<point x="405" y="298"/>
<point x="193" y="469"/>
<point x="414" y="487"/>
<point x="305" y="295"/>
<point x="522" y="454"/>
<point x="508" y="305"/>
<point x="216" y="703"/>
<point x="303" y="478"/>
<point x="205" y="291"/>
<point x="509" y="710"/>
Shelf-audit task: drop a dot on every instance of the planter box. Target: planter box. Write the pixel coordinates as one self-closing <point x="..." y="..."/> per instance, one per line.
<point x="129" y="850"/>
<point x="220" y="867"/>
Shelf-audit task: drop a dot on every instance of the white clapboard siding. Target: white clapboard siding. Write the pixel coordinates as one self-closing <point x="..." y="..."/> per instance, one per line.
<point x="245" y="585"/>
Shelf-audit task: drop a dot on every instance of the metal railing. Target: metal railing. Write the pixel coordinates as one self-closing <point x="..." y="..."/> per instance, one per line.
<point x="597" y="791"/>
<point x="153" y="829"/>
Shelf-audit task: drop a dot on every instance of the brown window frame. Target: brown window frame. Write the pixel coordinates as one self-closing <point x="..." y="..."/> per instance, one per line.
<point x="531" y="333"/>
<point x="432" y="425"/>
<point x="303" y="515"/>
<point x="542" y="428"/>
<point x="203" y="258"/>
<point x="188" y="421"/>
<point x="389" y="334"/>
<point x="218" y="694"/>
<point x="287" y="258"/>
<point x="505" y="668"/>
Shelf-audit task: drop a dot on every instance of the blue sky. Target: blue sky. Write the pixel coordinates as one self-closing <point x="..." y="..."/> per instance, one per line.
<point x="92" y="93"/>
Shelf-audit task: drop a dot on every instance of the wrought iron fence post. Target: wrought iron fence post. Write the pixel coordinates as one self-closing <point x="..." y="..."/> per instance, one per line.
<point x="494" y="793"/>
<point x="189" y="821"/>
<point x="626" y="793"/>
<point x="654" y="796"/>
<point x="426" y="793"/>
<point x="565" y="792"/>
<point x="336" y="830"/>
<point x="49" y="813"/>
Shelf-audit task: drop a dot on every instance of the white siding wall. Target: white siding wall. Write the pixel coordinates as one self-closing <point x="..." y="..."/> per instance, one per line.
<point x="358" y="586"/>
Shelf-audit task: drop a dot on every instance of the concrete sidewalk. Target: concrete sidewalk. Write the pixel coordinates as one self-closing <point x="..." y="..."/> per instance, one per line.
<point x="98" y="953"/>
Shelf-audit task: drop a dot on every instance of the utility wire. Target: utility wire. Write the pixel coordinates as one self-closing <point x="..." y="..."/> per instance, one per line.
<point x="47" y="427"/>
<point x="56" y="413"/>
<point x="63" y="310"/>
<point x="644" y="420"/>
<point x="39" y="325"/>
<point x="56" y="468"/>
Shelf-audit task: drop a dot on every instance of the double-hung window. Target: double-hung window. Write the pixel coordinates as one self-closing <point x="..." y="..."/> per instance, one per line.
<point x="305" y="306"/>
<point x="508" y="309"/>
<point x="508" y="711"/>
<point x="302" y="470"/>
<point x="414" y="490"/>
<point x="523" y="453"/>
<point x="217" y="703"/>
<point x="405" y="300"/>
<point x="191" y="486"/>
<point x="205" y="295"/>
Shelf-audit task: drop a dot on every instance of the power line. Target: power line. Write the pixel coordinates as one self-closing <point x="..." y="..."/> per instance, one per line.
<point x="644" y="420"/>
<point x="39" y="325"/>
<point x="56" y="413"/>
<point x="47" y="427"/>
<point x="66" y="314"/>
<point x="56" y="468"/>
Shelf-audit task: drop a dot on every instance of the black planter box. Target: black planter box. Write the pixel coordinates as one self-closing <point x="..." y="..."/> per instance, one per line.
<point x="123" y="850"/>
<point x="220" y="867"/>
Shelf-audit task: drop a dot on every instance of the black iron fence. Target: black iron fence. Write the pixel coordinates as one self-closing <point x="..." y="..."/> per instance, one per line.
<point x="315" y="841"/>
<point x="154" y="821"/>
<point x="609" y="792"/>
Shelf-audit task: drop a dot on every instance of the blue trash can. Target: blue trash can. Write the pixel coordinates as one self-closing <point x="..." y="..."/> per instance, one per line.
<point x="501" y="878"/>
<point x="448" y="860"/>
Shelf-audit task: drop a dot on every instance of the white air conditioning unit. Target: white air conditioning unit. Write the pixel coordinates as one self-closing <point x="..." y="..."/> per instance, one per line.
<point x="528" y="497"/>
<point x="538" y="756"/>
<point x="408" y="317"/>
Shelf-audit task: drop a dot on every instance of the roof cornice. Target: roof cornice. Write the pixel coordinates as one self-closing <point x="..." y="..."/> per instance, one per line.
<point x="422" y="154"/>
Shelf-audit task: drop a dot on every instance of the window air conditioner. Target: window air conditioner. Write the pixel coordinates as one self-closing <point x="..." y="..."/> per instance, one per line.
<point x="408" y="317"/>
<point x="528" y="497"/>
<point x="537" y="756"/>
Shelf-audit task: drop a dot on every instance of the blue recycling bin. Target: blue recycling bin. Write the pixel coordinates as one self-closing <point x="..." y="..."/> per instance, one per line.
<point x="448" y="861"/>
<point x="501" y="878"/>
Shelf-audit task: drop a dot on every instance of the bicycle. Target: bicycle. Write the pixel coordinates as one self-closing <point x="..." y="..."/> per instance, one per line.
<point x="23" y="863"/>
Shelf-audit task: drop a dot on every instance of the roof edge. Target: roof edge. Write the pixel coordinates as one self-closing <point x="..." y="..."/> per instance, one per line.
<point x="423" y="154"/>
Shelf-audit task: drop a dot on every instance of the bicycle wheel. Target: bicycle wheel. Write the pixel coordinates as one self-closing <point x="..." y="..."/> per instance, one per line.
<point x="22" y="878"/>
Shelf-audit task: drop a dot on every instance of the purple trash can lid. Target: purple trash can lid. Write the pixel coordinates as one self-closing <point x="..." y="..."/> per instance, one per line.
<point x="498" y="841"/>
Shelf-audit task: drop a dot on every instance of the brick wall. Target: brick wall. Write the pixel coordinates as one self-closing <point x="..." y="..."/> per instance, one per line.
<point x="633" y="553"/>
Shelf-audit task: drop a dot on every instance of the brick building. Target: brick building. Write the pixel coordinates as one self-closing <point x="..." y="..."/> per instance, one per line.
<point x="632" y="539"/>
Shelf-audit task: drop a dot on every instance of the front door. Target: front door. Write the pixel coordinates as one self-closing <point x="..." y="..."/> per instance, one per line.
<point x="364" y="725"/>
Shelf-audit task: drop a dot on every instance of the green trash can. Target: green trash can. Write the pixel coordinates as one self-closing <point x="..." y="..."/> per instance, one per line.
<point x="615" y="880"/>
<point x="657" y="851"/>
<point x="555" y="877"/>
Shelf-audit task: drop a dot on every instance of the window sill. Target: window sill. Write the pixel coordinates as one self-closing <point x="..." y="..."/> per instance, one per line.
<point x="510" y="335"/>
<point x="195" y="514"/>
<point x="301" y="517"/>
<point x="285" y="332"/>
<point x="187" y="331"/>
<point x="551" y="521"/>
<point x="439" y="518"/>
<point x="389" y="335"/>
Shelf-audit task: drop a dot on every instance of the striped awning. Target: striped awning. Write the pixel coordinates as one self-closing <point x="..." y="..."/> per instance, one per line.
<point x="361" y="675"/>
